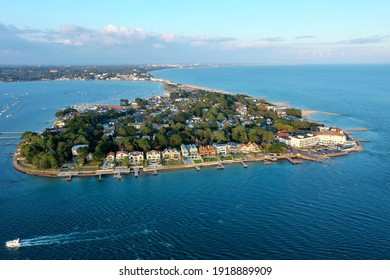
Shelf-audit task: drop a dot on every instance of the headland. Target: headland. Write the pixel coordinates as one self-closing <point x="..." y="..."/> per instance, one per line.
<point x="188" y="127"/>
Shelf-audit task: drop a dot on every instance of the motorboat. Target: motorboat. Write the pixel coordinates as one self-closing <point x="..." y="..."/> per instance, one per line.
<point x="13" y="243"/>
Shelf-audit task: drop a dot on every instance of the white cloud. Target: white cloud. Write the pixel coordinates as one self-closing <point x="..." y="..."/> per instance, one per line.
<point x="158" y="46"/>
<point x="365" y="40"/>
<point x="245" y="45"/>
<point x="118" y="44"/>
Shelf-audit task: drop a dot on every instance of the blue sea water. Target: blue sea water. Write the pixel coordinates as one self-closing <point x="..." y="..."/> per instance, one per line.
<point x="336" y="210"/>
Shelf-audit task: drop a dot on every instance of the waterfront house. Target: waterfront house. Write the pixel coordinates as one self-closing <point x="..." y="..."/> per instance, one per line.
<point x="244" y="148"/>
<point x="110" y="157"/>
<point x="120" y="155"/>
<point x="233" y="147"/>
<point x="189" y="151"/>
<point x="250" y="147"/>
<point x="136" y="157"/>
<point x="171" y="154"/>
<point x="221" y="149"/>
<point x="194" y="154"/>
<point x="184" y="151"/>
<point x="153" y="156"/>
<point x="207" y="151"/>
<point x="254" y="147"/>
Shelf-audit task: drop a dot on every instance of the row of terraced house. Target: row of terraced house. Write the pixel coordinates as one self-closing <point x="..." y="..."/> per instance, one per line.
<point x="186" y="151"/>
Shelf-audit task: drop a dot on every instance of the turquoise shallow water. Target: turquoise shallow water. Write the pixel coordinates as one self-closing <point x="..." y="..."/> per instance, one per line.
<point x="336" y="210"/>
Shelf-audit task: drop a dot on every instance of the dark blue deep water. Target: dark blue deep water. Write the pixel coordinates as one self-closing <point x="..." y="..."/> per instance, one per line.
<point x="336" y="210"/>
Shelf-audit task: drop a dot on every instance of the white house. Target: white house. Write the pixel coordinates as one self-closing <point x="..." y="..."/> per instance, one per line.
<point x="120" y="155"/>
<point x="110" y="157"/>
<point x="171" y="154"/>
<point x="153" y="156"/>
<point x="233" y="147"/>
<point x="136" y="157"/>
<point x="189" y="151"/>
<point x="221" y="148"/>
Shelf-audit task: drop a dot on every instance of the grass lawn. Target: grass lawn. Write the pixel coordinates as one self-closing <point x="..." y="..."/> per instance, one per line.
<point x="227" y="158"/>
<point x="237" y="156"/>
<point x="173" y="162"/>
<point x="209" y="159"/>
<point x="198" y="161"/>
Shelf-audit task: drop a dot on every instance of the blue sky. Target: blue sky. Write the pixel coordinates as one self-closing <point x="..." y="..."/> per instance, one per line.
<point x="245" y="31"/>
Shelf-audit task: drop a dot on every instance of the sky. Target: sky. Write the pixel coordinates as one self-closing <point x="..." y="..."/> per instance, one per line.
<point x="75" y="32"/>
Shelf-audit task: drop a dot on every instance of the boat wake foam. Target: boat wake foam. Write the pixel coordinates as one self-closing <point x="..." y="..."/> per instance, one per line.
<point x="73" y="237"/>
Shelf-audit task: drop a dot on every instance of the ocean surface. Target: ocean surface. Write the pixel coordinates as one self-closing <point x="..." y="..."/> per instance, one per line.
<point x="336" y="210"/>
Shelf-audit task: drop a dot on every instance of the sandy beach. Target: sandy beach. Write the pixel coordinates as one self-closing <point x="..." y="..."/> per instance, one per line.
<point x="306" y="113"/>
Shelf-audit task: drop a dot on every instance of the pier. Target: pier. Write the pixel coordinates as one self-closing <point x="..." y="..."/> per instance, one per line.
<point x="197" y="167"/>
<point x="118" y="175"/>
<point x="244" y="164"/>
<point x="155" y="172"/>
<point x="100" y="177"/>
<point x="294" y="161"/>
<point x="220" y="166"/>
<point x="136" y="172"/>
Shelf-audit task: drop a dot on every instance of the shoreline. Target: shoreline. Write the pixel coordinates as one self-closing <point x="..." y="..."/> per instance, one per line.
<point x="306" y="113"/>
<point x="248" y="158"/>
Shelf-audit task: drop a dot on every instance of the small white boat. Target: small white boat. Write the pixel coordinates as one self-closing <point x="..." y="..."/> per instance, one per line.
<point x="13" y="243"/>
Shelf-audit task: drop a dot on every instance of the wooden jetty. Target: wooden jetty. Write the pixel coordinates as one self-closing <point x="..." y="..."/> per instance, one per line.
<point x="197" y="167"/>
<point x="220" y="166"/>
<point x="244" y="164"/>
<point x="294" y="161"/>
<point x="118" y="175"/>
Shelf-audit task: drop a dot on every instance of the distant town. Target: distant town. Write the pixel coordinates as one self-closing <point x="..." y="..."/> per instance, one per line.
<point x="84" y="73"/>
<point x="187" y="127"/>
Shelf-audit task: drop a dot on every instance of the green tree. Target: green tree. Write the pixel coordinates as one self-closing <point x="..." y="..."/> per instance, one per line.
<point x="82" y="154"/>
<point x="239" y="134"/>
<point x="219" y="136"/>
<point x="280" y="126"/>
<point x="143" y="144"/>
<point x="121" y="130"/>
<point x="124" y="102"/>
<point x="175" y="140"/>
<point x="160" y="140"/>
<point x="278" y="148"/>
<point x="220" y="117"/>
<point x="125" y="161"/>
<point x="294" y="112"/>
<point x="145" y="130"/>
